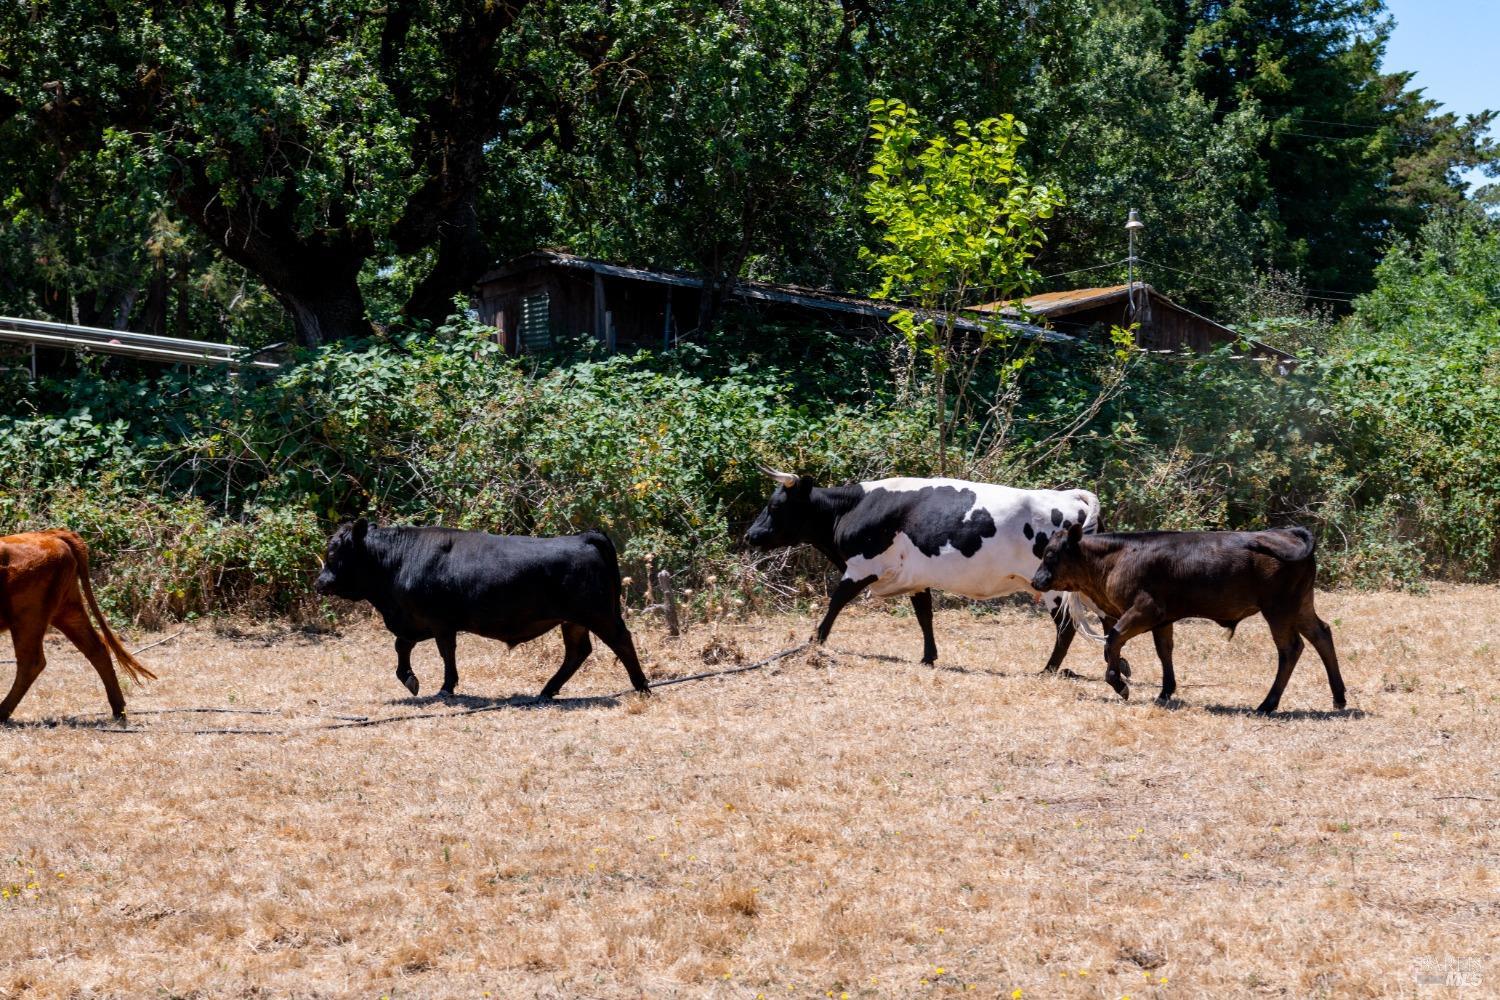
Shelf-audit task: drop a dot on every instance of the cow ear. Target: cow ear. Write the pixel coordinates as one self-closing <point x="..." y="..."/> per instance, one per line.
<point x="1075" y="532"/>
<point x="360" y="527"/>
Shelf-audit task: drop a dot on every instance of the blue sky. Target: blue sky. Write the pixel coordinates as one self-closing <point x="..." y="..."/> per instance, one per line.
<point x="1454" y="47"/>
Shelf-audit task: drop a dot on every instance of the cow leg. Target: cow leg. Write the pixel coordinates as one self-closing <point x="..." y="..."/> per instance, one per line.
<point x="1163" y="636"/>
<point x="29" y="663"/>
<point x="1138" y="618"/>
<point x="1321" y="636"/>
<point x="403" y="664"/>
<point x="78" y="630"/>
<point x="447" y="644"/>
<point x="618" y="640"/>
<point x="1288" y="648"/>
<point x="576" y="649"/>
<point x="846" y="591"/>
<point x="921" y="603"/>
<point x="1066" y="630"/>
<point x="1110" y="623"/>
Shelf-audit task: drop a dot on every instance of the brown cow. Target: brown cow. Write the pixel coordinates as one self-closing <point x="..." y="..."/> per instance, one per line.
<point x="1152" y="579"/>
<point x="40" y="577"/>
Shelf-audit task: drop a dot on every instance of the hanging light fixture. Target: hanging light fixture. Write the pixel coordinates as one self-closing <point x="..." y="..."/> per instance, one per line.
<point x="1132" y="224"/>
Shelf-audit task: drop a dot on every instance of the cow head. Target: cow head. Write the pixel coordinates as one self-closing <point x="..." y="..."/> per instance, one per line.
<point x="787" y="516"/>
<point x="1063" y="562"/>
<point x="345" y="570"/>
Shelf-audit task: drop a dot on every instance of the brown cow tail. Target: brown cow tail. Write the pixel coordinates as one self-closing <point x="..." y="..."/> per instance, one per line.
<point x="130" y="664"/>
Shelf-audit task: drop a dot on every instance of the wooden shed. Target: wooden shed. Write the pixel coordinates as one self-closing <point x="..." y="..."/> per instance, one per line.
<point x="1165" y="326"/>
<point x="546" y="296"/>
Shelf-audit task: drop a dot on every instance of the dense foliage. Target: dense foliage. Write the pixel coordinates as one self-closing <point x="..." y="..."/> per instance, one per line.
<point x="203" y="493"/>
<point x="268" y="169"/>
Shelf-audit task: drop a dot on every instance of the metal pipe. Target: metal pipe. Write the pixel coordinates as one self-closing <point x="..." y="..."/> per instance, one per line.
<point x="131" y="350"/>
<point x="123" y="336"/>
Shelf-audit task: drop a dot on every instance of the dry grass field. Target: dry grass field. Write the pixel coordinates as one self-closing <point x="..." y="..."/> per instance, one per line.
<point x="851" y="824"/>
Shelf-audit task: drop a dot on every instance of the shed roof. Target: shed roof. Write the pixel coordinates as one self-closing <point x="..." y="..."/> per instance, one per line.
<point x="1074" y="299"/>
<point x="753" y="291"/>
<point x="1054" y="305"/>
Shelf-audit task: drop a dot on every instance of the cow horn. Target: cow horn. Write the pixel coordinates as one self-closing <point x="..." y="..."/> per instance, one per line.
<point x="786" y="479"/>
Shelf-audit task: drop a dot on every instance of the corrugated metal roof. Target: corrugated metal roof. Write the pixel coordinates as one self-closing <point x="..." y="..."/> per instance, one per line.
<point x="1053" y="305"/>
<point x="1062" y="303"/>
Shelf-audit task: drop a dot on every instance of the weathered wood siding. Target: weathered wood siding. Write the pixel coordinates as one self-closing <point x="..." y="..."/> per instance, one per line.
<point x="638" y="311"/>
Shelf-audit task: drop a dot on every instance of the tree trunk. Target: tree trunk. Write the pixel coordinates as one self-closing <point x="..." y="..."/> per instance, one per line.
<point x="315" y="277"/>
<point x="154" y="315"/>
<point x="461" y="258"/>
<point x="327" y="313"/>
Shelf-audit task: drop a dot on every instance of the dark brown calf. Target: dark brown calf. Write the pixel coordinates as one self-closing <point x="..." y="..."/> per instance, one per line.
<point x="44" y="581"/>
<point x="1149" y="580"/>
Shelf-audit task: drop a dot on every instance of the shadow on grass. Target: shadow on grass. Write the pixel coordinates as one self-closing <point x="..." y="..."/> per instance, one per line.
<point x="112" y="726"/>
<point x="952" y="668"/>
<point x="1288" y="715"/>
<point x="475" y="703"/>
<point x="1062" y="673"/>
<point x="103" y="722"/>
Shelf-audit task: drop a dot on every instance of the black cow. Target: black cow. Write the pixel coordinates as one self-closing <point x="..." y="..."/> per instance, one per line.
<point x="1149" y="580"/>
<point x="913" y="536"/>
<point x="433" y="583"/>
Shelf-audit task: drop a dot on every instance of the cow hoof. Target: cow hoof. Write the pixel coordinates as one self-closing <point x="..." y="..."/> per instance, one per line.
<point x="410" y="683"/>
<point x="1338" y="706"/>
<point x="929" y="661"/>
<point x="546" y="696"/>
<point x="1115" y="681"/>
<point x="1266" y="710"/>
<point x="445" y="693"/>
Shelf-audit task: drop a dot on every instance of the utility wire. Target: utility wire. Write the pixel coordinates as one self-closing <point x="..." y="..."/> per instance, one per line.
<point x="1344" y="297"/>
<point x="1345" y="138"/>
<point x="1096" y="267"/>
<point x="1046" y="277"/>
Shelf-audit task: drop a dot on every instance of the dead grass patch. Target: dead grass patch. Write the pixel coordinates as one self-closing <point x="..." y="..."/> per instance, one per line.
<point x="846" y="820"/>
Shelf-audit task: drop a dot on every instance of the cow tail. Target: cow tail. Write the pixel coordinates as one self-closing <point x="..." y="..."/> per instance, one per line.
<point x="606" y="549"/>
<point x="1077" y="612"/>
<point x="130" y="664"/>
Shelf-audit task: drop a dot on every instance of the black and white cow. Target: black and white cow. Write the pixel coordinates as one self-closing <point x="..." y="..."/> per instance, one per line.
<point x="913" y="536"/>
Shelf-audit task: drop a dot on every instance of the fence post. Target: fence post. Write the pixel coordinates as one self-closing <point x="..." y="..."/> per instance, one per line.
<point x="668" y="602"/>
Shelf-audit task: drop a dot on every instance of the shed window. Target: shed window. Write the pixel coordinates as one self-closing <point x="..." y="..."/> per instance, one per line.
<point x="535" y="333"/>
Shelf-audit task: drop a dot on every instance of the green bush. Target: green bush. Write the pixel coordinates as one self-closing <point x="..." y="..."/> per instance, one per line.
<point x="215" y="492"/>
